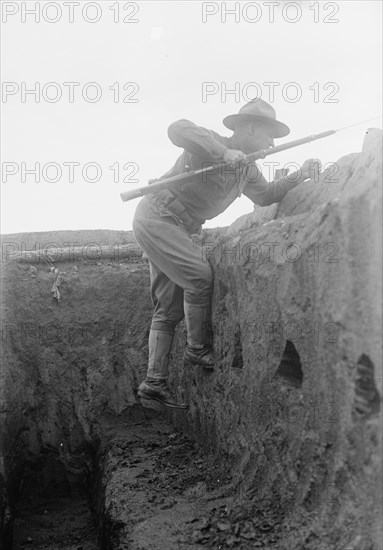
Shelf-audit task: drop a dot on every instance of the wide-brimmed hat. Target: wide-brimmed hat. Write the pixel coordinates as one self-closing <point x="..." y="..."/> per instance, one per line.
<point x="257" y="109"/>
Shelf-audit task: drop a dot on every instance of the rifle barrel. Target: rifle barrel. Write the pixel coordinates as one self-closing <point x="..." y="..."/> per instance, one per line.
<point x="187" y="177"/>
<point x="297" y="142"/>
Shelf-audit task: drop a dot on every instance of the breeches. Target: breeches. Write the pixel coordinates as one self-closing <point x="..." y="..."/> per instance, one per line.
<point x="178" y="270"/>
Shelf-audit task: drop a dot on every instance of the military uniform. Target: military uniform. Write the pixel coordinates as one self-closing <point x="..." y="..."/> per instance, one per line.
<point x="181" y="279"/>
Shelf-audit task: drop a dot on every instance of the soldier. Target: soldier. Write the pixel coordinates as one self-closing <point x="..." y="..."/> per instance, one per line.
<point x="181" y="280"/>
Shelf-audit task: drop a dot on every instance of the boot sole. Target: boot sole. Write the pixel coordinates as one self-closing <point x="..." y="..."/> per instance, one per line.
<point x="154" y="398"/>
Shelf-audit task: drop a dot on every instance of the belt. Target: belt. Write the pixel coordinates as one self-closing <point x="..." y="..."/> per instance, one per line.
<point x="167" y="199"/>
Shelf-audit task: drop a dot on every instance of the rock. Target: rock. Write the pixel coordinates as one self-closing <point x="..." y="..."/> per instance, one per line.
<point x="223" y="526"/>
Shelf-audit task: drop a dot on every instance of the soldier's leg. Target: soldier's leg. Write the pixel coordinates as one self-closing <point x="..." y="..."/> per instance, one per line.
<point x="170" y="248"/>
<point x="167" y="298"/>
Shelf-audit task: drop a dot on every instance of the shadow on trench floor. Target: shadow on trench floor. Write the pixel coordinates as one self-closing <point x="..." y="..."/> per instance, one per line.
<point x="153" y="489"/>
<point x="55" y="523"/>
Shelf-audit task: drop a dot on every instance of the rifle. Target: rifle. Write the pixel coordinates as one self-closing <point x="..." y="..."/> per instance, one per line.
<point x="187" y="177"/>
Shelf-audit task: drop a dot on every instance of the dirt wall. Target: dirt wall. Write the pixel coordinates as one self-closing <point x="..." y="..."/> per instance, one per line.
<point x="296" y="396"/>
<point x="74" y="346"/>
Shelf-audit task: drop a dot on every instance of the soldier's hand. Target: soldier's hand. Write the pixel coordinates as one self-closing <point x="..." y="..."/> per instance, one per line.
<point x="311" y="168"/>
<point x="231" y="156"/>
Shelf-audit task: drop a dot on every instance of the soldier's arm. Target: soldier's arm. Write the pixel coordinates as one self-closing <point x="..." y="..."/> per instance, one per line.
<point x="263" y="193"/>
<point x="197" y="140"/>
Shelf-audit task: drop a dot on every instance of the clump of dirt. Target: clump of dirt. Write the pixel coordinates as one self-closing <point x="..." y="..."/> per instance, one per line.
<point x="237" y="526"/>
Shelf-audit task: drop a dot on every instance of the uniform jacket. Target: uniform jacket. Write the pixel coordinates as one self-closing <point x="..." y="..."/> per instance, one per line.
<point x="211" y="193"/>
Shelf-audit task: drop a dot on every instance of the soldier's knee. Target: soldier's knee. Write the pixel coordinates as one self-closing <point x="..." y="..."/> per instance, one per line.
<point x="165" y="325"/>
<point x="201" y="288"/>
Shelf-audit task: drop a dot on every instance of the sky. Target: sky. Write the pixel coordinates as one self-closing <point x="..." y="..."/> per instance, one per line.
<point x="109" y="78"/>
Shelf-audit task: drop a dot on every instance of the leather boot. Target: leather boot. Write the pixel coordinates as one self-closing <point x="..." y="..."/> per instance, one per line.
<point x="198" y="351"/>
<point x="155" y="385"/>
<point x="158" y="390"/>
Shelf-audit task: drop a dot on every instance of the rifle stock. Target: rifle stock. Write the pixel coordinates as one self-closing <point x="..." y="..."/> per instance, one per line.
<point x="186" y="177"/>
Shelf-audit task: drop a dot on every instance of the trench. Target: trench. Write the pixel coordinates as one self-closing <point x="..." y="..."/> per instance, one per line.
<point x="87" y="465"/>
<point x="279" y="448"/>
<point x="141" y="485"/>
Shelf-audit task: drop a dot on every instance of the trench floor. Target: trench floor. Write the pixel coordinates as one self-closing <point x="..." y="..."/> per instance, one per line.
<point x="157" y="491"/>
<point x="163" y="492"/>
